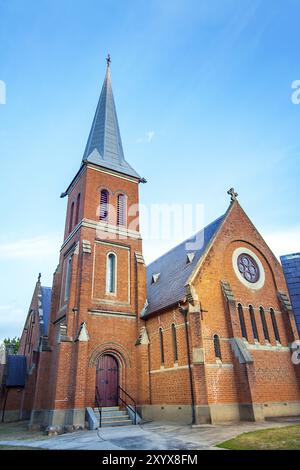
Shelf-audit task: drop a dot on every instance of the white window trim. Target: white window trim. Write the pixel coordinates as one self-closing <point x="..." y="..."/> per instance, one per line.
<point x="107" y="274"/>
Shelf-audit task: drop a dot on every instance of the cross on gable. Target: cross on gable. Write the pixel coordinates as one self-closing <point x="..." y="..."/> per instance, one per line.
<point x="233" y="195"/>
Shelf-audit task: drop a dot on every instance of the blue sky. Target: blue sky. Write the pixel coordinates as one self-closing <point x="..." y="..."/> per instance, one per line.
<point x="209" y="80"/>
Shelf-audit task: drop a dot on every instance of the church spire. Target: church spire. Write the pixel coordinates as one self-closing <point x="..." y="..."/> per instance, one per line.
<point x="104" y="145"/>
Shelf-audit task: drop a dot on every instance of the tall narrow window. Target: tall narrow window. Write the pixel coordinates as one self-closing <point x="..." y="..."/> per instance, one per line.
<point x="104" y="201"/>
<point x="264" y="323"/>
<point x="161" y="341"/>
<point x="217" y="347"/>
<point x="68" y="278"/>
<point x="253" y="322"/>
<point x="77" y="209"/>
<point x="174" y="340"/>
<point x="71" y="217"/>
<point x="121" y="213"/>
<point x="242" y="321"/>
<point x="111" y="274"/>
<point x="274" y="323"/>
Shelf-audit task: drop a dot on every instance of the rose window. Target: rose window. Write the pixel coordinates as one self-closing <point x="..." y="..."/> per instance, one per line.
<point x="248" y="268"/>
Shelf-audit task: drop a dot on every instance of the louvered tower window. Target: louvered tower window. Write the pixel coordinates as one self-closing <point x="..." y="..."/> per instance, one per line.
<point x="274" y="323"/>
<point x="104" y="201"/>
<point x="71" y="217"/>
<point x="242" y="321"/>
<point x="77" y="209"/>
<point x="121" y="210"/>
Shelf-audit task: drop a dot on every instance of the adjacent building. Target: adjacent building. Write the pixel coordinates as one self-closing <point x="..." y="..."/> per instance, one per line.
<point x="291" y="268"/>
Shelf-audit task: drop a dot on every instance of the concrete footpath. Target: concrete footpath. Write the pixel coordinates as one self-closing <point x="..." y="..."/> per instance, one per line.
<point x="150" y="436"/>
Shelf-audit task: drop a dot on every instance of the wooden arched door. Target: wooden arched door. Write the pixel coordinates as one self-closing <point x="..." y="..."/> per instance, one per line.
<point x="107" y="380"/>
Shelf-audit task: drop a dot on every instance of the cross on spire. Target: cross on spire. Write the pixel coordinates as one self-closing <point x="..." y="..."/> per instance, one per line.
<point x="108" y="60"/>
<point x="233" y="195"/>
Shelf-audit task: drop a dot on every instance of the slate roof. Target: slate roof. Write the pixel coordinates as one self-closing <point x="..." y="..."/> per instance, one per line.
<point x="46" y="305"/>
<point x="104" y="145"/>
<point x="16" y="371"/>
<point x="291" y="269"/>
<point x="175" y="271"/>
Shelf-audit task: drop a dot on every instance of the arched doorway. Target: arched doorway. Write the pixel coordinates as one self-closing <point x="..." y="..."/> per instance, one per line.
<point x="107" y="380"/>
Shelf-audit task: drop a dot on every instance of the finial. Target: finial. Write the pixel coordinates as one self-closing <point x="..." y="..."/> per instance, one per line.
<point x="108" y="60"/>
<point x="233" y="195"/>
<point x="39" y="277"/>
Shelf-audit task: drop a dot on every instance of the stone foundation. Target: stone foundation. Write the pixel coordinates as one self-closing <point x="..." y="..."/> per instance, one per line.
<point x="57" y="419"/>
<point x="218" y="413"/>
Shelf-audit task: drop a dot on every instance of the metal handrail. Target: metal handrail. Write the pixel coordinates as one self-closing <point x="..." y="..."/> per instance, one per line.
<point x="125" y="402"/>
<point x="99" y="406"/>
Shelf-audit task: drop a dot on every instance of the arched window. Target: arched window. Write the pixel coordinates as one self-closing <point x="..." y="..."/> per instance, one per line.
<point x="104" y="201"/>
<point x="253" y="322"/>
<point x="217" y="347"/>
<point x="274" y="323"/>
<point x="77" y="209"/>
<point x="121" y="211"/>
<point x="174" y="340"/>
<point x="71" y="217"/>
<point x="242" y="321"/>
<point x="264" y="323"/>
<point x="68" y="278"/>
<point x="111" y="274"/>
<point x="161" y="342"/>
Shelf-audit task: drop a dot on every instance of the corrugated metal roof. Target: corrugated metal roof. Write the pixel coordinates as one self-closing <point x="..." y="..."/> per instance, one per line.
<point x="46" y="305"/>
<point x="104" y="145"/>
<point x="16" y="371"/>
<point x="175" y="269"/>
<point x="291" y="269"/>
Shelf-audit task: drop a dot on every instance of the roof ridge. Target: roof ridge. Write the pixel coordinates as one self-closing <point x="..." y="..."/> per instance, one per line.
<point x="184" y="241"/>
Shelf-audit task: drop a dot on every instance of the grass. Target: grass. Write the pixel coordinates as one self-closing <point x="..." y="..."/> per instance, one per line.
<point x="283" y="438"/>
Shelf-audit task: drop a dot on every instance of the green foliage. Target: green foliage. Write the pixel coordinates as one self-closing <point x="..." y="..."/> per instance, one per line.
<point x="13" y="343"/>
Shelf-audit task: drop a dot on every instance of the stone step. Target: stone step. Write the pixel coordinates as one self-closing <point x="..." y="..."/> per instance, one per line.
<point x="115" y="418"/>
<point x="107" y="424"/>
<point x="111" y="413"/>
<point x="110" y="408"/>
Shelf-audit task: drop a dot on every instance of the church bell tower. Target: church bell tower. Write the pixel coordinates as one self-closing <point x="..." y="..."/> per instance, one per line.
<point x="99" y="286"/>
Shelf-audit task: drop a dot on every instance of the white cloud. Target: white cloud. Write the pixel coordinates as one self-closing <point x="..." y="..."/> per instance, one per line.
<point x="36" y="247"/>
<point x="148" y="137"/>
<point x="283" y="242"/>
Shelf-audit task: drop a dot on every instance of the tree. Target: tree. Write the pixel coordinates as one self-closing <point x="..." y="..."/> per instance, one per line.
<point x="12" y="344"/>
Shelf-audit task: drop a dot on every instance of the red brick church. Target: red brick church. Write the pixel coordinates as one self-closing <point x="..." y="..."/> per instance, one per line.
<point x="202" y="335"/>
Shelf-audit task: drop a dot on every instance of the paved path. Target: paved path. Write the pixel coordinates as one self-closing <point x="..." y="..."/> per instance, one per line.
<point x="150" y="436"/>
